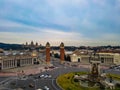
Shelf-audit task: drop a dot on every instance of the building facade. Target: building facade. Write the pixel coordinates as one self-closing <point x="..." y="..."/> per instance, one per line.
<point x="110" y="58"/>
<point x="14" y="61"/>
<point x="103" y="58"/>
<point x="81" y="56"/>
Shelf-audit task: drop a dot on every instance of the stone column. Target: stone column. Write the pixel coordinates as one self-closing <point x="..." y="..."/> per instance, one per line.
<point x="2" y="64"/>
<point x="62" y="52"/>
<point x="32" y="60"/>
<point x="16" y="62"/>
<point x="47" y="53"/>
<point x="8" y="63"/>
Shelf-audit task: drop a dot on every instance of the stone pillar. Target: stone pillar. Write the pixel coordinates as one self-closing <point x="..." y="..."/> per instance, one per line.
<point x="16" y="62"/>
<point x="2" y="64"/>
<point x="8" y="63"/>
<point x="62" y="52"/>
<point x="47" y="53"/>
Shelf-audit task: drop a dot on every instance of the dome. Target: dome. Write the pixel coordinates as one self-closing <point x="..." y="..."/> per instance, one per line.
<point x="1" y="50"/>
<point x="62" y="44"/>
<point x="47" y="44"/>
<point x="34" y="54"/>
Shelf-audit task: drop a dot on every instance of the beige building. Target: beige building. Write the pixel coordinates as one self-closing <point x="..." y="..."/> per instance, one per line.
<point x="81" y="56"/>
<point x="13" y="61"/>
<point x="110" y="58"/>
<point x="84" y="56"/>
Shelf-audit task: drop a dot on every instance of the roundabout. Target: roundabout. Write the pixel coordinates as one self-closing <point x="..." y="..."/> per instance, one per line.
<point x="68" y="82"/>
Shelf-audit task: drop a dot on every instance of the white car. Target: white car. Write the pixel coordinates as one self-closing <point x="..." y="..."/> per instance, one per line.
<point x="42" y="75"/>
<point x="46" y="76"/>
<point x="46" y="88"/>
<point x="49" y="76"/>
<point x="39" y="89"/>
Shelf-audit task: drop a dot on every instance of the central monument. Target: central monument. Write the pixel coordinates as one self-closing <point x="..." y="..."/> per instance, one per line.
<point x="94" y="72"/>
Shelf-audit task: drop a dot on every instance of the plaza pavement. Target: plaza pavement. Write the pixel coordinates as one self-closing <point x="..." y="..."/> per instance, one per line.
<point x="35" y="69"/>
<point x="32" y="69"/>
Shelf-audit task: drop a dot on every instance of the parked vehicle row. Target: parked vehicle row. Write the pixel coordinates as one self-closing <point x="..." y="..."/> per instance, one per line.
<point x="45" y="76"/>
<point x="115" y="67"/>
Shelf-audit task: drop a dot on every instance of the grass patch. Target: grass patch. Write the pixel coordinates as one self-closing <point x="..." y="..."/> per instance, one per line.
<point x="114" y="76"/>
<point x="66" y="81"/>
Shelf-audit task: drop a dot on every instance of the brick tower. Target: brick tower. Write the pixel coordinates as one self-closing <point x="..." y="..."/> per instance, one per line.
<point x="48" y="53"/>
<point x="62" y="52"/>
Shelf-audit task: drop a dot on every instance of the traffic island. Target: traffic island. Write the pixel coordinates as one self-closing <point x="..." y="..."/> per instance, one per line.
<point x="67" y="82"/>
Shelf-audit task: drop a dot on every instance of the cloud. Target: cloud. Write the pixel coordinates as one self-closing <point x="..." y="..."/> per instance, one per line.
<point x="37" y="33"/>
<point x="79" y="22"/>
<point x="110" y="36"/>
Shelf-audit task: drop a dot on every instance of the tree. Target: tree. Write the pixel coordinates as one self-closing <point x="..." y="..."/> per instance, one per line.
<point x="56" y="55"/>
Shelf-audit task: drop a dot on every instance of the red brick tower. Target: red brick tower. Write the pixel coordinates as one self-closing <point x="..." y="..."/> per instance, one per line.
<point x="48" y="53"/>
<point x="62" y="52"/>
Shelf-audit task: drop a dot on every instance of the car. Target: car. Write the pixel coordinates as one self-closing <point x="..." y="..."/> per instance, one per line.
<point x="46" y="67"/>
<point x="49" y="76"/>
<point x="31" y="85"/>
<point x="46" y="76"/>
<point x="51" y="67"/>
<point x="46" y="88"/>
<point x="41" y="76"/>
<point x="117" y="69"/>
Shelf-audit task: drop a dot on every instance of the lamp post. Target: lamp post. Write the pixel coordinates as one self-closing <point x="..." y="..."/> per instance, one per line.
<point x="35" y="83"/>
<point x="16" y="78"/>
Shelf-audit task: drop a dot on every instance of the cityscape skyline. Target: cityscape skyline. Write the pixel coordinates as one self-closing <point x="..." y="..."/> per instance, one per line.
<point x="74" y="22"/>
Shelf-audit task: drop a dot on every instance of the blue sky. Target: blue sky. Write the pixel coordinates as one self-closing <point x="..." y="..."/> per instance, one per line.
<point x="74" y="22"/>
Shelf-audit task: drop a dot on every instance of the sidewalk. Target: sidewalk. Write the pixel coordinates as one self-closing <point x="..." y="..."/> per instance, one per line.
<point x="32" y="69"/>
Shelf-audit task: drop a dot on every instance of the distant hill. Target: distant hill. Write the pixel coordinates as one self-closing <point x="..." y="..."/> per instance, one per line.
<point x="10" y="46"/>
<point x="6" y="46"/>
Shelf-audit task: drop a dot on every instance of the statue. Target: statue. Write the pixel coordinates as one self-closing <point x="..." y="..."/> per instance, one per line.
<point x="94" y="70"/>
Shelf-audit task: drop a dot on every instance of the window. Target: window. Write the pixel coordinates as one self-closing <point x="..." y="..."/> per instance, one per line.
<point x="78" y="59"/>
<point x="102" y="60"/>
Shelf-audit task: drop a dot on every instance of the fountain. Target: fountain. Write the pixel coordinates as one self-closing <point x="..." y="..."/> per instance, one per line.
<point x="95" y="78"/>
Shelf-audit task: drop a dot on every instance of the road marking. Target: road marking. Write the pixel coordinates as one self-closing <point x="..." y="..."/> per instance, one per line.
<point x="54" y="85"/>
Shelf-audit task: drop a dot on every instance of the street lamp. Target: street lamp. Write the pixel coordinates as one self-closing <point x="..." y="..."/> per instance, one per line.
<point x="35" y="83"/>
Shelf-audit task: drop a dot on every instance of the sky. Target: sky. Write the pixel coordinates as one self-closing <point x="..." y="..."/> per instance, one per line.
<point x="74" y="22"/>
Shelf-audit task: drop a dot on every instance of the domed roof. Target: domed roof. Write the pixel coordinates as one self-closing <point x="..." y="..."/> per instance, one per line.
<point x="47" y="44"/>
<point x="1" y="50"/>
<point x="62" y="44"/>
<point x="34" y="54"/>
